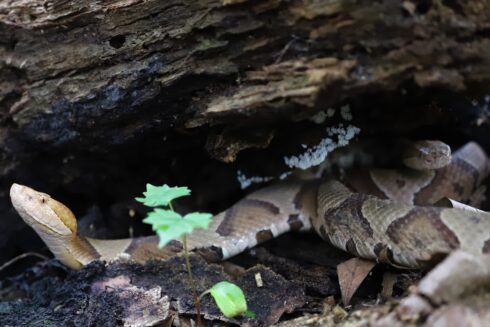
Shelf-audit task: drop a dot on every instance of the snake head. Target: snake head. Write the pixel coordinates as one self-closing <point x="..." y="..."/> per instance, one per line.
<point x="427" y="155"/>
<point x="43" y="213"/>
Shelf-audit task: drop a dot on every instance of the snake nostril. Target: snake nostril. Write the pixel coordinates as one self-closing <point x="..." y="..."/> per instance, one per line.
<point x="43" y="199"/>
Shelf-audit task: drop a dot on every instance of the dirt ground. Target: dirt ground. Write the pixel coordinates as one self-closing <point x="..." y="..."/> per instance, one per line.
<point x="297" y="281"/>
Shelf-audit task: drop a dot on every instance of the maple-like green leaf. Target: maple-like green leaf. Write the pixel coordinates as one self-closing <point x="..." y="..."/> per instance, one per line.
<point x="162" y="195"/>
<point x="198" y="219"/>
<point x="229" y="298"/>
<point x="176" y="228"/>
<point x="170" y="225"/>
<point x="161" y="218"/>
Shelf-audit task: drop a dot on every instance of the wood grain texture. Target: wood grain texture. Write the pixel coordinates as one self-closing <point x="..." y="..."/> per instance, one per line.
<point x="91" y="74"/>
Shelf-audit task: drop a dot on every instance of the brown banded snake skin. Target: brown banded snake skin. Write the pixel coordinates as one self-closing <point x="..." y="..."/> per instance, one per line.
<point x="383" y="215"/>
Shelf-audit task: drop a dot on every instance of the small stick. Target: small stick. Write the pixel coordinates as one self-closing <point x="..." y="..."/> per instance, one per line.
<point x="20" y="257"/>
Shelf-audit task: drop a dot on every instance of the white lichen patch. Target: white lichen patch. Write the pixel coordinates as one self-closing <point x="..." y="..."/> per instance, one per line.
<point x="318" y="153"/>
<point x="345" y="113"/>
<point x="484" y="109"/>
<point x="247" y="181"/>
<point x="321" y="116"/>
<point x="338" y="136"/>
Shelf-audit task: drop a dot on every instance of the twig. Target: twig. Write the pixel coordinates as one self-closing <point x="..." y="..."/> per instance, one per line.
<point x="197" y="299"/>
<point x="20" y="257"/>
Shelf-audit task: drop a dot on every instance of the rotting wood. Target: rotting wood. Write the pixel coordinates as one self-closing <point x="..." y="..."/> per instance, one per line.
<point x="80" y="73"/>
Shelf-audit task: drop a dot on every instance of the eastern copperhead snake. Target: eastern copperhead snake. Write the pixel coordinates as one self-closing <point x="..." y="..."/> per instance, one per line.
<point x="389" y="218"/>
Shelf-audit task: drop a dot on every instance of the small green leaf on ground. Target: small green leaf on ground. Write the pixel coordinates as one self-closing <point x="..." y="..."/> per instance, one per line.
<point x="170" y="225"/>
<point x="162" y="195"/>
<point x="229" y="298"/>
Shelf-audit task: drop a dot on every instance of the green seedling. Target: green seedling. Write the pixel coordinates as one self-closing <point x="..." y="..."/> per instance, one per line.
<point x="170" y="225"/>
<point x="229" y="298"/>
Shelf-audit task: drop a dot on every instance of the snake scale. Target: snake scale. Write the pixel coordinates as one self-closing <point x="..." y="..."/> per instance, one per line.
<point x="384" y="215"/>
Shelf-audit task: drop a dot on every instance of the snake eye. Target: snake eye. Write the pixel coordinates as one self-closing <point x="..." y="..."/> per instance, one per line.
<point x="42" y="199"/>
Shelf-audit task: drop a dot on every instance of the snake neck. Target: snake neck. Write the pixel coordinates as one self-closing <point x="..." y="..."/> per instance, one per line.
<point x="74" y="251"/>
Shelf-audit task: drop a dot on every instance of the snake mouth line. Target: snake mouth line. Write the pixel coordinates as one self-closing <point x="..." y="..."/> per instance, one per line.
<point x="52" y="230"/>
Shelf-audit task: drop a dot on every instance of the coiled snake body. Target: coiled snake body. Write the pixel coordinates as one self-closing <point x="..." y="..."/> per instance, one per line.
<point x="390" y="217"/>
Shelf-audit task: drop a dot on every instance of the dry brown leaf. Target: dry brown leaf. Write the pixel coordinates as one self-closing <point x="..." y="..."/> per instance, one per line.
<point x="351" y="274"/>
<point x="389" y="280"/>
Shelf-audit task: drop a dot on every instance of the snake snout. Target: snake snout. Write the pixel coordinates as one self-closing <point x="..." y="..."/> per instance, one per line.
<point x="16" y="192"/>
<point x="19" y="194"/>
<point x="15" y="188"/>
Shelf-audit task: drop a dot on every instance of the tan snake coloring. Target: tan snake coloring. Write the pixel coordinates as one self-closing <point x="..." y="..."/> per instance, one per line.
<point x="384" y="215"/>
